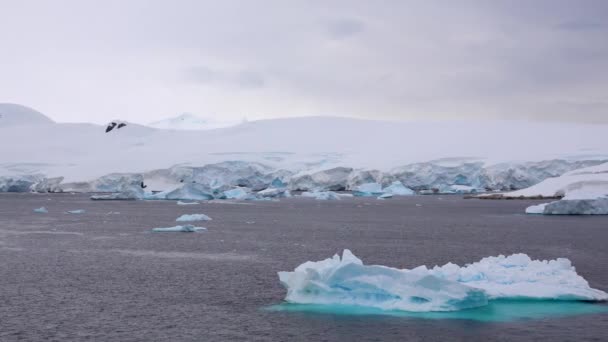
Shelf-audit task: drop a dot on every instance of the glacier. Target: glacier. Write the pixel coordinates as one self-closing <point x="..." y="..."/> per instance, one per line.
<point x="193" y="217"/>
<point x="347" y="281"/>
<point x="582" y="192"/>
<point x="244" y="180"/>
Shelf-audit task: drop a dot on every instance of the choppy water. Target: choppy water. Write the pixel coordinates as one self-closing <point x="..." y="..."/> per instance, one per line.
<point x="103" y="276"/>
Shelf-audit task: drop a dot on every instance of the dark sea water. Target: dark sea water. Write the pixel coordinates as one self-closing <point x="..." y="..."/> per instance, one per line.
<point x="102" y="276"/>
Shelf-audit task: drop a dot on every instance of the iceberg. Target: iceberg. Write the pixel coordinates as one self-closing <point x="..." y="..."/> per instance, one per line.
<point x="368" y="190"/>
<point x="398" y="189"/>
<point x="179" y="229"/>
<point x="77" y="211"/>
<point x="41" y="210"/>
<point x="187" y="203"/>
<point x="536" y="209"/>
<point x="519" y="277"/>
<point x="193" y="217"/>
<point x="347" y="281"/>
<point x="322" y="195"/>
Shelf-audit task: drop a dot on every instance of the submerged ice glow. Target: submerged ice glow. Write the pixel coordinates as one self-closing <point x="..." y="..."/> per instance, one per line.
<point x="347" y="281"/>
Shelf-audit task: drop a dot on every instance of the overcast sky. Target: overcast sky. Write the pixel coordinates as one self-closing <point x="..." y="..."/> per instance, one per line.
<point x="143" y="60"/>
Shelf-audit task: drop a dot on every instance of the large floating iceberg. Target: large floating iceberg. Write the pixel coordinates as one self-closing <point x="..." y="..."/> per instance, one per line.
<point x="347" y="281"/>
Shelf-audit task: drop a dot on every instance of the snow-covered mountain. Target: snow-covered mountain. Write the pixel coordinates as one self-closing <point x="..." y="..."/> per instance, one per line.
<point x="14" y="114"/>
<point x="188" y="121"/>
<point x="438" y="153"/>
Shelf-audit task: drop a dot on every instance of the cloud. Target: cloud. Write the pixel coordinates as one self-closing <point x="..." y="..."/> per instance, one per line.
<point x="345" y="28"/>
<point x="245" y="79"/>
<point x="398" y="59"/>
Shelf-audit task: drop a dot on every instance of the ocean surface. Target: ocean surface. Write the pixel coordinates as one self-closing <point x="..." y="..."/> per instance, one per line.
<point x="103" y="276"/>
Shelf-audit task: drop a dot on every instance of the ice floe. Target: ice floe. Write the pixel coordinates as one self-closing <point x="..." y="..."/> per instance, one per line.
<point x="77" y="211"/>
<point x="41" y="210"/>
<point x="347" y="281"/>
<point x="188" y="228"/>
<point x="193" y="217"/>
<point x="187" y="203"/>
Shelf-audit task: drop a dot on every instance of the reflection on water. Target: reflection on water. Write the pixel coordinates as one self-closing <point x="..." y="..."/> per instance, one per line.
<point x="496" y="311"/>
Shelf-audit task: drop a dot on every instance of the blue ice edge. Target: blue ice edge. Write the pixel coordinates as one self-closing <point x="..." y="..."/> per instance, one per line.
<point x="503" y="310"/>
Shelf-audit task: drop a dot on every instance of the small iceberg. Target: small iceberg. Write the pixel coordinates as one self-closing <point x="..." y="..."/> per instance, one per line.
<point x="179" y="229"/>
<point x="347" y="281"/>
<point x="398" y="189"/>
<point x="41" y="210"/>
<point x="187" y="203"/>
<point x="322" y="195"/>
<point x="193" y="217"/>
<point x="368" y="190"/>
<point x="77" y="211"/>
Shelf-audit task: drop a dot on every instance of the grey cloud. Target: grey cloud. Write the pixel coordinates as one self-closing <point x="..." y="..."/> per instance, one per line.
<point x="397" y="59"/>
<point x="207" y="76"/>
<point x="344" y="28"/>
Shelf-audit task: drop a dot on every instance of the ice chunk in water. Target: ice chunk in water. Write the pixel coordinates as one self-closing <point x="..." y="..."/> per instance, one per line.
<point x="193" y="217"/>
<point x="187" y="203"/>
<point x="398" y="189"/>
<point x="77" y="211"/>
<point x="518" y="276"/>
<point x="347" y="281"/>
<point x="321" y="195"/>
<point x="368" y="190"/>
<point x="180" y="229"/>
<point x="41" y="210"/>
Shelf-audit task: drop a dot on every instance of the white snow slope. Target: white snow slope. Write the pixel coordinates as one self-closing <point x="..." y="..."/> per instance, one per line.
<point x="187" y="121"/>
<point x="84" y="152"/>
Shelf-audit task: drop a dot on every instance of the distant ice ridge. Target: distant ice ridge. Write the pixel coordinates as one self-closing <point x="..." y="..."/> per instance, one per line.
<point x="583" y="192"/>
<point x="193" y="217"/>
<point x="347" y="281"/>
